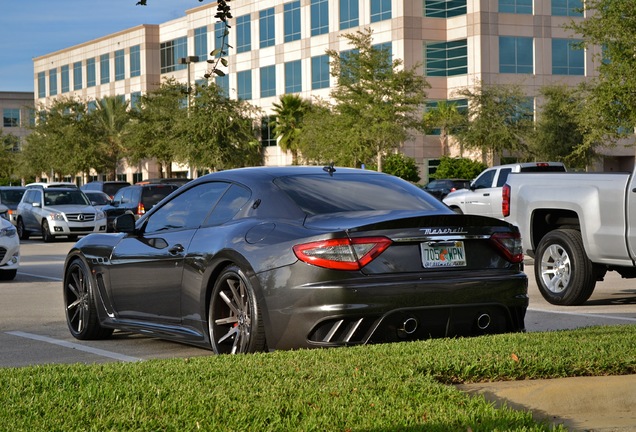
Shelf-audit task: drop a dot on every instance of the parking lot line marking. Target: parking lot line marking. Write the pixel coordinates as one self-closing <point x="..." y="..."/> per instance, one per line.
<point x="586" y="315"/>
<point x="96" y="351"/>
<point x="41" y="277"/>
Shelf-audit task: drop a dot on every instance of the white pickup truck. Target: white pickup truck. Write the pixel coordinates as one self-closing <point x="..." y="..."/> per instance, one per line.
<point x="483" y="196"/>
<point x="576" y="226"/>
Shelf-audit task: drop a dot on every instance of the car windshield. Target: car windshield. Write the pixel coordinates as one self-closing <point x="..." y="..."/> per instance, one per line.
<point x="11" y="196"/>
<point x="64" y="197"/>
<point x="323" y="194"/>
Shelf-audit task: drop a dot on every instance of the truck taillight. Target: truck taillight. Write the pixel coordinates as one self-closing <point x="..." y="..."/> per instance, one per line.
<point x="505" y="202"/>
<point x="140" y="209"/>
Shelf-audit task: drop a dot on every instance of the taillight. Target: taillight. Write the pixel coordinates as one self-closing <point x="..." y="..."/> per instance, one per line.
<point x="505" y="200"/>
<point x="509" y="244"/>
<point x="141" y="209"/>
<point x="453" y="189"/>
<point x="342" y="253"/>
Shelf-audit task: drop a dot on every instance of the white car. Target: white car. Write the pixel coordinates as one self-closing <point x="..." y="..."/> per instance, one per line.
<point x="9" y="246"/>
<point x="483" y="197"/>
<point x="56" y="211"/>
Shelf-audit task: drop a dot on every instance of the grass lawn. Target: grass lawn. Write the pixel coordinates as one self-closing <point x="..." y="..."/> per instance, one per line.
<point x="392" y="387"/>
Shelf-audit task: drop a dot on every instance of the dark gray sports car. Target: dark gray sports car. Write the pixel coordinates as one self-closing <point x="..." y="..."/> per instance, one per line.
<point x="264" y="258"/>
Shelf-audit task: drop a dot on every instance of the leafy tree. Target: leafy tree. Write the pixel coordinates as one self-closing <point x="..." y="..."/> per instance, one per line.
<point x="289" y="113"/>
<point x="8" y="156"/>
<point x="400" y="166"/>
<point x="447" y="118"/>
<point x="63" y="141"/>
<point x="220" y="133"/>
<point x="153" y="132"/>
<point x="377" y="102"/>
<point x="111" y="120"/>
<point x="458" y="167"/>
<point x="558" y="132"/>
<point x="610" y="108"/>
<point x="498" y="120"/>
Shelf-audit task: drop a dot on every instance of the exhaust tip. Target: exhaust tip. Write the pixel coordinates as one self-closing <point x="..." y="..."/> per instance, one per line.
<point x="483" y="321"/>
<point x="409" y="326"/>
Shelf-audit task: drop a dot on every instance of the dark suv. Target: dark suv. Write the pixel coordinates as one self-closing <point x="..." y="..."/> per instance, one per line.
<point x="110" y="188"/>
<point x="136" y="199"/>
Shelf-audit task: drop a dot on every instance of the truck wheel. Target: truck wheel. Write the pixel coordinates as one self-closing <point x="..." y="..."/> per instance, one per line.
<point x="563" y="272"/>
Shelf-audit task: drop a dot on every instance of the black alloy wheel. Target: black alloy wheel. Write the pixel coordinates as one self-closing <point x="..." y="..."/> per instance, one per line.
<point x="79" y="301"/>
<point x="234" y="320"/>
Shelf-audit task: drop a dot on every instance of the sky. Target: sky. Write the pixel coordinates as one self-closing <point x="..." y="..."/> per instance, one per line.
<point x="32" y="28"/>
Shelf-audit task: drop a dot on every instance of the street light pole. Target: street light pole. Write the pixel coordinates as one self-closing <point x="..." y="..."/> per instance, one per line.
<point x="187" y="61"/>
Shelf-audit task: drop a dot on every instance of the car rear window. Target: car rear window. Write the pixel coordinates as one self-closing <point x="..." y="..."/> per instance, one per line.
<point x="11" y="196"/>
<point x="324" y="194"/>
<point x="151" y="195"/>
<point x="543" y="168"/>
<point x="111" y="188"/>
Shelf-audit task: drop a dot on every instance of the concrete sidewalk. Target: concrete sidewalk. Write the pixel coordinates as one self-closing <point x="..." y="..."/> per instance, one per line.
<point x="581" y="404"/>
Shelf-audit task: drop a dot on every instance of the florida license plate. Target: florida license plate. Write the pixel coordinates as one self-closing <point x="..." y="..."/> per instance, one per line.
<point x="446" y="255"/>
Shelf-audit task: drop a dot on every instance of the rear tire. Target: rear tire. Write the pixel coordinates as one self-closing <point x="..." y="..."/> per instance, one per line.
<point x="564" y="274"/>
<point x="80" y="304"/>
<point x="234" y="317"/>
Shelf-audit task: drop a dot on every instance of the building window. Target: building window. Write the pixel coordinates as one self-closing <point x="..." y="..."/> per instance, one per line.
<point x="220" y="38"/>
<point x="388" y="47"/>
<point x="90" y="73"/>
<point x="444" y="8"/>
<point x="224" y="84"/>
<point x="349" y="14"/>
<point x="243" y="34"/>
<point x="291" y="21"/>
<point x="66" y="79"/>
<point x="244" y="85"/>
<point x="92" y="106"/>
<point x="201" y="43"/>
<point x="460" y="104"/>
<point x="268" y="81"/>
<point x="104" y="68"/>
<point x="446" y="58"/>
<point x="11" y="117"/>
<point x="268" y="138"/>
<point x="135" y="99"/>
<point x="573" y="8"/>
<point x="319" y="17"/>
<point x="319" y="72"/>
<point x="267" y="33"/>
<point x="52" y="82"/>
<point x="567" y="58"/>
<point x="293" y="77"/>
<point x="515" y="6"/>
<point x="137" y="177"/>
<point x="120" y="66"/>
<point x="135" y="61"/>
<point x="380" y="10"/>
<point x="171" y="52"/>
<point x="41" y="84"/>
<point x="515" y="55"/>
<point x="77" y="75"/>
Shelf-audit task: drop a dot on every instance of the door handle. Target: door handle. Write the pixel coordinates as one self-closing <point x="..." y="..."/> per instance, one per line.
<point x="486" y="194"/>
<point x="176" y="249"/>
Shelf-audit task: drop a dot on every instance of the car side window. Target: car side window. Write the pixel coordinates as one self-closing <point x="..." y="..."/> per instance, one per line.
<point x="228" y="205"/>
<point x="188" y="209"/>
<point x="503" y="176"/>
<point x="485" y="179"/>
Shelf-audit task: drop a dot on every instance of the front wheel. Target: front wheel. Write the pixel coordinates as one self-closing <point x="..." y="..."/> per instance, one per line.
<point x="23" y="234"/>
<point x="80" y="305"/>
<point x="46" y="232"/>
<point x="234" y="317"/>
<point x="563" y="272"/>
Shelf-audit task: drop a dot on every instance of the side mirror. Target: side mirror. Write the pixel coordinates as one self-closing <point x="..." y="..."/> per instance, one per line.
<point x="4" y="210"/>
<point x="125" y="223"/>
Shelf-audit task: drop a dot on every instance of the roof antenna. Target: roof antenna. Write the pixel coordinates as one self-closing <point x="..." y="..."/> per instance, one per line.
<point x="330" y="169"/>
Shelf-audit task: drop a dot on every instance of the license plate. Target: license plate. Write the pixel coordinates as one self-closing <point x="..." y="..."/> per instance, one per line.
<point x="443" y="256"/>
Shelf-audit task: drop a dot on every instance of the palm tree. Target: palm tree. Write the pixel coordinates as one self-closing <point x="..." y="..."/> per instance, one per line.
<point x="289" y="113"/>
<point x="446" y="117"/>
<point x="111" y="120"/>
